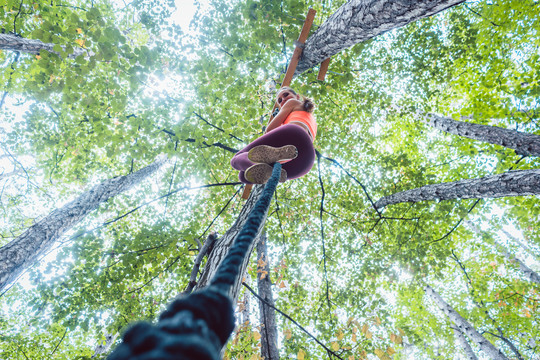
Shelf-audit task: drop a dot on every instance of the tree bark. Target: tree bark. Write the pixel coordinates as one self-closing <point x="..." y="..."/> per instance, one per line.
<point x="522" y="143"/>
<point x="512" y="183"/>
<point x="464" y="327"/>
<point x="520" y="243"/>
<point x="528" y="272"/>
<point x="222" y="245"/>
<point x="360" y="20"/>
<point x="10" y="42"/>
<point x="245" y="311"/>
<point x="269" y="348"/>
<point x="104" y="347"/>
<point x="198" y="260"/>
<point x="20" y="253"/>
<point x="462" y="341"/>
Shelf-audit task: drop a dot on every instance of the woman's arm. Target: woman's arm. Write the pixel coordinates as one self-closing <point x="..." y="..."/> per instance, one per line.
<point x="290" y="106"/>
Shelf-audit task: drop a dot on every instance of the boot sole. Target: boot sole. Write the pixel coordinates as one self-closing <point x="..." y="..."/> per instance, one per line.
<point x="268" y="154"/>
<point x="260" y="173"/>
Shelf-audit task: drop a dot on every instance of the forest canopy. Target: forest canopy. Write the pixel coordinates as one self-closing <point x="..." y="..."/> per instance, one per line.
<point x="104" y="91"/>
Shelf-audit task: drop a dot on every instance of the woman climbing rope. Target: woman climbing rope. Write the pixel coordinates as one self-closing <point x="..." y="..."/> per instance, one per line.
<point x="288" y="139"/>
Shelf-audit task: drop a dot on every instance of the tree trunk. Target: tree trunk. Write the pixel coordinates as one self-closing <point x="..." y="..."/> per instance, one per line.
<point x="464" y="327"/>
<point x="20" y="253"/>
<point x="10" y="42"/>
<point x="222" y="245"/>
<point x="529" y="274"/>
<point x="522" y="143"/>
<point x="512" y="183"/>
<point x="520" y="243"/>
<point x="269" y="348"/>
<point x="361" y="20"/>
<point x="245" y="311"/>
<point x="462" y="341"/>
<point x="104" y="347"/>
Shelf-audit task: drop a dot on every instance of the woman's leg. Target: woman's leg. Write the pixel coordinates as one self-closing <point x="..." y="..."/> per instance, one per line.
<point x="284" y="135"/>
<point x="303" y="163"/>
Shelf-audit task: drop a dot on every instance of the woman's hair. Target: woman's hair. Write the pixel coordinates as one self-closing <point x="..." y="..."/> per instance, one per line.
<point x="308" y="103"/>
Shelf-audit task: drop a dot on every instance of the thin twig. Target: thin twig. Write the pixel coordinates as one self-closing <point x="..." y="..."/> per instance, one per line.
<point x="322" y="232"/>
<point x="458" y="223"/>
<point x="57" y="345"/>
<point x="216" y="127"/>
<point x="335" y="162"/>
<point x="222" y="210"/>
<point x="292" y="320"/>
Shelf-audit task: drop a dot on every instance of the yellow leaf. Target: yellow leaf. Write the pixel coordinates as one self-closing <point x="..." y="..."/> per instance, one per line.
<point x="282" y="284"/>
<point x="369" y="335"/>
<point x="401" y="332"/>
<point x="399" y="340"/>
<point x="288" y="333"/>
<point x="38" y="57"/>
<point x="353" y="337"/>
<point x="335" y="346"/>
<point x="390" y="351"/>
<point x="80" y="42"/>
<point x="379" y="353"/>
<point x="300" y="355"/>
<point x="365" y="329"/>
<point x="51" y="79"/>
<point x="79" y="30"/>
<point x="261" y="262"/>
<point x="378" y="320"/>
<point x="256" y="335"/>
<point x="340" y="335"/>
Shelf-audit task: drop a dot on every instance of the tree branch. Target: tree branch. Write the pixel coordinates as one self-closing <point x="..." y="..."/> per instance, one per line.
<point x="206" y="248"/>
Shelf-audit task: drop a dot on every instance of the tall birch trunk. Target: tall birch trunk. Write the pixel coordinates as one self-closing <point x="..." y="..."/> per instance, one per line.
<point x="269" y="348"/>
<point x="20" y="253"/>
<point x="530" y="274"/>
<point x="522" y="143"/>
<point x="360" y="20"/>
<point x="464" y="327"/>
<point x="511" y="183"/>
<point x="462" y="341"/>
<point x="10" y="42"/>
<point x="520" y="243"/>
<point x="222" y="245"/>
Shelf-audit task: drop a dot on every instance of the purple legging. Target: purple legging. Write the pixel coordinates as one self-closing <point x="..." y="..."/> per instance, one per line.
<point x="289" y="134"/>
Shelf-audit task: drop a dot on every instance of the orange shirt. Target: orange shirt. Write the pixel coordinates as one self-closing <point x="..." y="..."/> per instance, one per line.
<point x="304" y="118"/>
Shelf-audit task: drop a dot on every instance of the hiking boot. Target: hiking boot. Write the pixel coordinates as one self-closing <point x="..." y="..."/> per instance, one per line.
<point x="268" y="154"/>
<point x="260" y="173"/>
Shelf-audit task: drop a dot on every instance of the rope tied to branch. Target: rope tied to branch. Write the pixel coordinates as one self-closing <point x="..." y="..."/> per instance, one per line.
<point x="198" y="325"/>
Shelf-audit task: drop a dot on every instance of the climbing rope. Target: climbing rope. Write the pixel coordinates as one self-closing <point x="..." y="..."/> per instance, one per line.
<point x="198" y="325"/>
